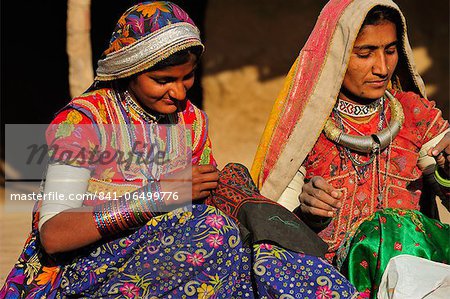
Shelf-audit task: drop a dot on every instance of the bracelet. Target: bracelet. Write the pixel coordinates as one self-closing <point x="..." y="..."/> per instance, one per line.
<point x="115" y="216"/>
<point x="440" y="180"/>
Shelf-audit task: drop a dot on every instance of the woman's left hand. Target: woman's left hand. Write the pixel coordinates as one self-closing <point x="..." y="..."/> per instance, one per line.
<point x="441" y="153"/>
<point x="204" y="179"/>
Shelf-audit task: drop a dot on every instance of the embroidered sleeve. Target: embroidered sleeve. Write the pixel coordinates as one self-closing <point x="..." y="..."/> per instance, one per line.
<point x="202" y="152"/>
<point x="426" y="118"/>
<point x="201" y="143"/>
<point x="72" y="139"/>
<point x="437" y="123"/>
<point x="423" y="121"/>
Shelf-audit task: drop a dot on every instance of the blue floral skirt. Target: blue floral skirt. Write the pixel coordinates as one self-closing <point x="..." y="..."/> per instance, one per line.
<point x="185" y="253"/>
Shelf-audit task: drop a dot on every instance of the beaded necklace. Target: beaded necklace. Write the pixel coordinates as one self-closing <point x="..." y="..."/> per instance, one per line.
<point x="361" y="167"/>
<point x="168" y="142"/>
<point x="130" y="102"/>
<point x="356" y="110"/>
<point x="129" y="138"/>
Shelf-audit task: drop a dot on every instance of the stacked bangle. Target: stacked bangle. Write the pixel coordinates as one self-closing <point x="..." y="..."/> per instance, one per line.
<point x="128" y="212"/>
<point x="440" y="180"/>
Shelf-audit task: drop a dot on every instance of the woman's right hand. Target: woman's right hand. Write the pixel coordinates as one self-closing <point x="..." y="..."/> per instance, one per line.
<point x="319" y="198"/>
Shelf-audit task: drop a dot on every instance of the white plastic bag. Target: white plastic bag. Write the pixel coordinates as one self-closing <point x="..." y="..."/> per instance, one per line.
<point x="411" y="277"/>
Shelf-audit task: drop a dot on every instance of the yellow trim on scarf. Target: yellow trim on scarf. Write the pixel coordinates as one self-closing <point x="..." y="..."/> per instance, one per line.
<point x="274" y="117"/>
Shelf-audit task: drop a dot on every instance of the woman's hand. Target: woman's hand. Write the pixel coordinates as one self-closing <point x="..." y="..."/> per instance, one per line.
<point x="319" y="198"/>
<point x="190" y="184"/>
<point x="204" y="179"/>
<point x="441" y="153"/>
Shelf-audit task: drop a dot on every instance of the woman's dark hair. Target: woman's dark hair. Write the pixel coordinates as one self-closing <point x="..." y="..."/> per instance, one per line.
<point x="380" y="14"/>
<point x="177" y="58"/>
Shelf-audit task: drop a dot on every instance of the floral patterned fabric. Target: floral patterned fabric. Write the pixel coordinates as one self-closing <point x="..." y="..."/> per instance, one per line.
<point x="183" y="254"/>
<point x="180" y="253"/>
<point x="388" y="233"/>
<point x="142" y="20"/>
<point x="146" y="34"/>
